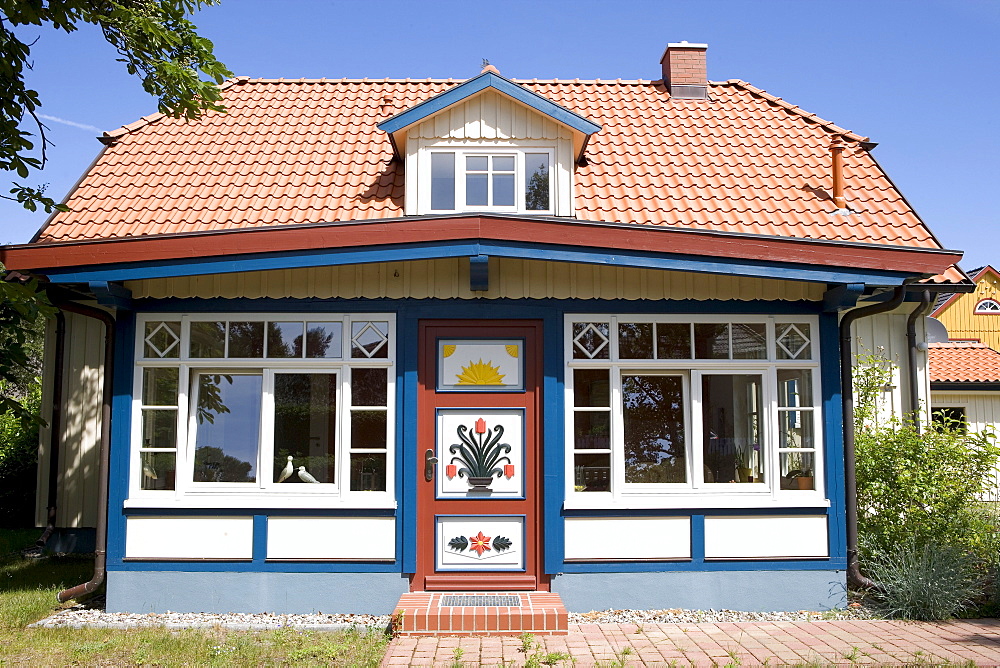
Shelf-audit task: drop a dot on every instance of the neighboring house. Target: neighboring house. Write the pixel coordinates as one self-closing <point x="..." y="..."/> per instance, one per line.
<point x="974" y="315"/>
<point x="489" y="335"/>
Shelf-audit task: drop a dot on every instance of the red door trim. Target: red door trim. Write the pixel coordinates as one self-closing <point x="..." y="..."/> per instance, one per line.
<point x="428" y="401"/>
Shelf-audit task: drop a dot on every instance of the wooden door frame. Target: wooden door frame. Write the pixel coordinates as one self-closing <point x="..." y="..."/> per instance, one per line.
<point x="428" y="400"/>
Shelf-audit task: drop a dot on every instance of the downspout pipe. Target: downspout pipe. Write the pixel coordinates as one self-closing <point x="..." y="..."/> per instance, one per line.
<point x="854" y="576"/>
<point x="911" y="356"/>
<point x="55" y="430"/>
<point x="101" y="537"/>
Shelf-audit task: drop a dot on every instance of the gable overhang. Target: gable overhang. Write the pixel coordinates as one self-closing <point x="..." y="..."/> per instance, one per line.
<point x="428" y="237"/>
<point x="397" y="125"/>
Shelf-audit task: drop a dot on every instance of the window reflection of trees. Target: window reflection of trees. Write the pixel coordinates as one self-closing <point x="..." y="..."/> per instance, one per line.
<point x="653" y="408"/>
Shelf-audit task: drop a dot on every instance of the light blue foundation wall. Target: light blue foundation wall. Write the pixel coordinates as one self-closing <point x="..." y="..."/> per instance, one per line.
<point x="282" y="593"/>
<point x="702" y="590"/>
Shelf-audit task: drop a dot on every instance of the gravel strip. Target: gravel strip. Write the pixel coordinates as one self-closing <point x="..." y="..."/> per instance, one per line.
<point x="677" y="616"/>
<point x="92" y="615"/>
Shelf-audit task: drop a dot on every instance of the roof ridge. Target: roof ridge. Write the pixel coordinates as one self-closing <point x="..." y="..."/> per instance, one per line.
<point x="774" y="99"/>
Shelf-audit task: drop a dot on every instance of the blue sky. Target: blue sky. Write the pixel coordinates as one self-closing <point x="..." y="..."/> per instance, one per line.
<point x="917" y="76"/>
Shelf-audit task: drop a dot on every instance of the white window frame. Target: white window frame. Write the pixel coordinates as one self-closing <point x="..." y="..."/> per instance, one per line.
<point x="982" y="309"/>
<point x="265" y="492"/>
<point x="696" y="492"/>
<point x="463" y="150"/>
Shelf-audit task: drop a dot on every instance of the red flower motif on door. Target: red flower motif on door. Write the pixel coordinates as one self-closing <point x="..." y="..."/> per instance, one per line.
<point x="480" y="543"/>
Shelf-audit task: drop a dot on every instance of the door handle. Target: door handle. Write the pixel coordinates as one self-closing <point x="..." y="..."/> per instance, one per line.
<point x="429" y="461"/>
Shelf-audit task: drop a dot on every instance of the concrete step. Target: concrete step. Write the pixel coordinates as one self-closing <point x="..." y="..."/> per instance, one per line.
<point x="432" y="613"/>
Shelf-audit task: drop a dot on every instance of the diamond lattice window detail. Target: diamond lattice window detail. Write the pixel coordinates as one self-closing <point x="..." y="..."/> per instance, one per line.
<point x="369" y="339"/>
<point x="591" y="340"/>
<point x="162" y="339"/>
<point x="792" y="342"/>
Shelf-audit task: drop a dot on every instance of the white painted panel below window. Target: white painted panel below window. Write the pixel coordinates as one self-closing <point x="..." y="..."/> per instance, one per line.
<point x="777" y="537"/>
<point x="628" y="538"/>
<point x="331" y="538"/>
<point x="189" y="538"/>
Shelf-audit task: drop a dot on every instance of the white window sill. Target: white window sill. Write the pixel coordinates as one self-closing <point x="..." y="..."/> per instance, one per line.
<point x="303" y="502"/>
<point x="598" y="501"/>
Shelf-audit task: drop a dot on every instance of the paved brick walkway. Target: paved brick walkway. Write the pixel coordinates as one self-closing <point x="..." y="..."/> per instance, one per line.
<point x="825" y="643"/>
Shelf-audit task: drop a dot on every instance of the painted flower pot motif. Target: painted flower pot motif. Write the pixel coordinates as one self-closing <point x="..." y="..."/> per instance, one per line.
<point x="480" y="455"/>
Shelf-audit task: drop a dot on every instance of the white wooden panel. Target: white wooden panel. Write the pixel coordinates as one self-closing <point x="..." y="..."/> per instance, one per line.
<point x="79" y="448"/>
<point x="626" y="538"/>
<point x="982" y="412"/>
<point x="885" y="335"/>
<point x="189" y="538"/>
<point x="448" y="278"/>
<point x="778" y="537"/>
<point x="331" y="538"/>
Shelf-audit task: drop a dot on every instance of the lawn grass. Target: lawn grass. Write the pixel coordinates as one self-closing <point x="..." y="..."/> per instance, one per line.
<point x="28" y="590"/>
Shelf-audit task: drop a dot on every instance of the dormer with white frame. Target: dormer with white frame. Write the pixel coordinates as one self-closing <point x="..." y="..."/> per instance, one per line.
<point x="489" y="145"/>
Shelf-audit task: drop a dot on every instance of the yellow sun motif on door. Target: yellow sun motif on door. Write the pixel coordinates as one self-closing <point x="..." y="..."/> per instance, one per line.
<point x="480" y="373"/>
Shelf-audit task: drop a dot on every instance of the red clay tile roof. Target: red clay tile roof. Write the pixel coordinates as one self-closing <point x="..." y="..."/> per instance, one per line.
<point x="303" y="151"/>
<point x="963" y="362"/>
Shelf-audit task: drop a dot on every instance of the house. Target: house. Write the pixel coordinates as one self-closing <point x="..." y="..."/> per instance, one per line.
<point x="382" y="336"/>
<point x="973" y="315"/>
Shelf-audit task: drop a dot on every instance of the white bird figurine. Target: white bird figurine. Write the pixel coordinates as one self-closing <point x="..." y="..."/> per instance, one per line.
<point x="149" y="471"/>
<point x="305" y="476"/>
<point x="286" y="472"/>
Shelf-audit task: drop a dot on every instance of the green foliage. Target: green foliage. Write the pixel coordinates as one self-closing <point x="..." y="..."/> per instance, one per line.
<point x="925" y="581"/>
<point x="23" y="310"/>
<point x="155" y="41"/>
<point x="921" y="515"/>
<point x="18" y="460"/>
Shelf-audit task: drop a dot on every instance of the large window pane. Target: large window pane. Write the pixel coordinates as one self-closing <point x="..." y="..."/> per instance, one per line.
<point x="653" y="414"/>
<point x="246" y="339"/>
<point x="732" y="424"/>
<point x="443" y="181"/>
<point x="284" y="339"/>
<point x="536" y="185"/>
<point x="208" y="339"/>
<point x="227" y="437"/>
<point x="592" y="473"/>
<point x="305" y="427"/>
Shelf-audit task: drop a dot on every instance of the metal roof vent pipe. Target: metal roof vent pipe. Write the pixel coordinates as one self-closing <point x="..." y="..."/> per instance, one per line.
<point x="684" y="71"/>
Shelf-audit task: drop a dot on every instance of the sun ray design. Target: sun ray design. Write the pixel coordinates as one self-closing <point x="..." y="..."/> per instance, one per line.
<point x="480" y="373"/>
<point x="511" y="350"/>
<point x="449" y="350"/>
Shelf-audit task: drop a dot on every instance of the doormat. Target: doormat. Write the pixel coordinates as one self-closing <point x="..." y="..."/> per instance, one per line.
<point x="452" y="600"/>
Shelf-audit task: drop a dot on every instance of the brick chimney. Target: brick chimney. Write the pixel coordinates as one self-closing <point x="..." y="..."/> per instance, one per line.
<point x="684" y="72"/>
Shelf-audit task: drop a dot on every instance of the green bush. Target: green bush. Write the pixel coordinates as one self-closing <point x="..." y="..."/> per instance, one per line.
<point x="922" y="518"/>
<point x="924" y="581"/>
<point x="18" y="462"/>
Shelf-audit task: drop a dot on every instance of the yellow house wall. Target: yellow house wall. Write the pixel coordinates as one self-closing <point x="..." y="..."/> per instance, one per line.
<point x="449" y="279"/>
<point x="961" y="320"/>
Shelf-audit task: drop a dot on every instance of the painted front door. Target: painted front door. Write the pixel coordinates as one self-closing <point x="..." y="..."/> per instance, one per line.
<point x="478" y="468"/>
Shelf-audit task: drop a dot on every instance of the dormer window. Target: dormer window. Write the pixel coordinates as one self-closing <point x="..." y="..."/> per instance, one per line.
<point x="473" y="179"/>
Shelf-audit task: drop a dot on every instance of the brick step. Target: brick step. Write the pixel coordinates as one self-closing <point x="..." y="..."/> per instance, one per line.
<point x="537" y="612"/>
